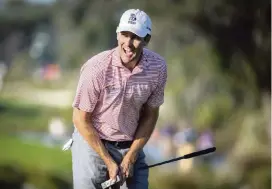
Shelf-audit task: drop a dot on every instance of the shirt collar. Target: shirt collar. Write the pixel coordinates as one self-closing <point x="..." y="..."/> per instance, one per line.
<point x="116" y="60"/>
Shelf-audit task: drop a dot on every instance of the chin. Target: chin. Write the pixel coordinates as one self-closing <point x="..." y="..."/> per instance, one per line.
<point x="125" y="60"/>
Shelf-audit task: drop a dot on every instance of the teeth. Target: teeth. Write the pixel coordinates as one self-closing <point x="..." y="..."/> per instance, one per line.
<point x="127" y="50"/>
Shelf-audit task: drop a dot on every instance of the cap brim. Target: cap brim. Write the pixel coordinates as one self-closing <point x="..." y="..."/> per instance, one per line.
<point x="136" y="31"/>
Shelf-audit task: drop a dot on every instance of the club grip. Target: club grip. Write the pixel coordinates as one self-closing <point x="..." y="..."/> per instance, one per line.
<point x="202" y="152"/>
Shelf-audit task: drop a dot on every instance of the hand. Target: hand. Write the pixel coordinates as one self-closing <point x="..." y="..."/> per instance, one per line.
<point x="113" y="170"/>
<point x="127" y="166"/>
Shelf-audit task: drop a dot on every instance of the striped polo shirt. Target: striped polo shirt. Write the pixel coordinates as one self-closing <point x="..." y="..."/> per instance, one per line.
<point x="115" y="95"/>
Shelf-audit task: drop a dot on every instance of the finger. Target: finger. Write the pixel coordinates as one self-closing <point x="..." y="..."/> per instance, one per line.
<point x="127" y="172"/>
<point x="123" y="170"/>
<point x="113" y="177"/>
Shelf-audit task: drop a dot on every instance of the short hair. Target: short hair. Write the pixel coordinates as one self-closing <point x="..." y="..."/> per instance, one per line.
<point x="147" y="38"/>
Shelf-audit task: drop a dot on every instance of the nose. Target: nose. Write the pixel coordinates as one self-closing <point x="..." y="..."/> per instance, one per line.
<point x="129" y="41"/>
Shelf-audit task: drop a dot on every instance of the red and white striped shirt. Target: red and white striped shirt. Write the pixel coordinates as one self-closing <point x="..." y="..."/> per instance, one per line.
<point x="115" y="95"/>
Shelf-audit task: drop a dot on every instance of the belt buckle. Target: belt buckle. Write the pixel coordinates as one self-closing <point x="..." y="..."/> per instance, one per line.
<point x="116" y="144"/>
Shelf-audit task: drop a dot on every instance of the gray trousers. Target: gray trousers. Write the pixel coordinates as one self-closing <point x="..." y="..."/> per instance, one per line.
<point x="89" y="170"/>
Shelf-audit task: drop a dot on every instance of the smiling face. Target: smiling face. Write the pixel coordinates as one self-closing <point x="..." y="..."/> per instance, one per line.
<point x="130" y="47"/>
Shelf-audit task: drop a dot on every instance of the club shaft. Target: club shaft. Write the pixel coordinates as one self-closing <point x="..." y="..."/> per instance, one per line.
<point x="187" y="156"/>
<point x="164" y="162"/>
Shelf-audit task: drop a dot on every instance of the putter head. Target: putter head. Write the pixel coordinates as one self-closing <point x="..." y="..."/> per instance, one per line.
<point x="109" y="182"/>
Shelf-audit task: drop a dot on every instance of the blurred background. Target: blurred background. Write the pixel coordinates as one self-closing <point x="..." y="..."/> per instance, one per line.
<point x="218" y="91"/>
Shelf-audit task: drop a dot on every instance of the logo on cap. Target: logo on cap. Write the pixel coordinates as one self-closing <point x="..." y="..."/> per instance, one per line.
<point x="132" y="19"/>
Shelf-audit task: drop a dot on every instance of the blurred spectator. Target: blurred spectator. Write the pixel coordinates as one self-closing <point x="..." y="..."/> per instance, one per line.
<point x="183" y="141"/>
<point x="57" y="128"/>
<point x="183" y="136"/>
<point x="51" y="72"/>
<point x="186" y="164"/>
<point x="206" y="140"/>
<point x="153" y="148"/>
<point x="167" y="133"/>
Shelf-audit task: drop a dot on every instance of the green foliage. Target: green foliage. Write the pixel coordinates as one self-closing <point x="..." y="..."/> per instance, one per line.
<point x="17" y="116"/>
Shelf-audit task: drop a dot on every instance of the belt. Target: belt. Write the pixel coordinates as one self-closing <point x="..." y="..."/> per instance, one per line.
<point x="118" y="144"/>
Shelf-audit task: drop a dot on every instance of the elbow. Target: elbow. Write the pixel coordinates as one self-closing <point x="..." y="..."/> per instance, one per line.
<point x="80" y="117"/>
<point x="76" y="117"/>
<point x="75" y="120"/>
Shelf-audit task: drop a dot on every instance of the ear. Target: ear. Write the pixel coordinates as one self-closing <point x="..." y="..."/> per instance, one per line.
<point x="147" y="39"/>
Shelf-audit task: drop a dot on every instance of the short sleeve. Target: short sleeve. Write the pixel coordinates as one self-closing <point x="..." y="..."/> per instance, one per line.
<point x="156" y="98"/>
<point x="88" y="89"/>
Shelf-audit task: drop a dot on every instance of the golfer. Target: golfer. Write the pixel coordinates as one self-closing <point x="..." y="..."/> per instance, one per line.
<point x="116" y="107"/>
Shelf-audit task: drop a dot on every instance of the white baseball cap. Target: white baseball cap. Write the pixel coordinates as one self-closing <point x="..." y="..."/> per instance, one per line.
<point x="135" y="21"/>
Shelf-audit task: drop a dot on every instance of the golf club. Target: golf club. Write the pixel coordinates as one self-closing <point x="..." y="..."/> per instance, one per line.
<point x="110" y="182"/>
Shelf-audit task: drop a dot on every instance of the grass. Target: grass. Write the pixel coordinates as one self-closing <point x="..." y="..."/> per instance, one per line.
<point x="34" y="157"/>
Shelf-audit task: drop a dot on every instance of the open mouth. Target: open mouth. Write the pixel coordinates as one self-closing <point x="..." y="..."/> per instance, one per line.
<point x="128" y="52"/>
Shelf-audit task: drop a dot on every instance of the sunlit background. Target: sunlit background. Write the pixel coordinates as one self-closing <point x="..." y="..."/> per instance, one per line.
<point x="217" y="93"/>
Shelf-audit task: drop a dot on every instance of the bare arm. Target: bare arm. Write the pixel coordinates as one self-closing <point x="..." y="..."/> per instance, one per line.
<point x="149" y="115"/>
<point x="147" y="123"/>
<point x="82" y="121"/>
<point x="148" y="119"/>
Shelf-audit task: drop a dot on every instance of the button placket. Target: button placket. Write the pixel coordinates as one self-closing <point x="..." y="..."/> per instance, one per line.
<point x="125" y="80"/>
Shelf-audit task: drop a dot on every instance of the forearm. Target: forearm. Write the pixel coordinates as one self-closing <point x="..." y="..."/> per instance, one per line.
<point x="145" y="128"/>
<point x="86" y="129"/>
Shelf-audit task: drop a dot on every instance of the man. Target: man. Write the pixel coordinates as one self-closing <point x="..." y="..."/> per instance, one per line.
<point x="116" y="107"/>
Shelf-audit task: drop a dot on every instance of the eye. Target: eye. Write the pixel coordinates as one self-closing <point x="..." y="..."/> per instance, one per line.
<point x="132" y="36"/>
<point x="135" y="37"/>
<point x="125" y="34"/>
